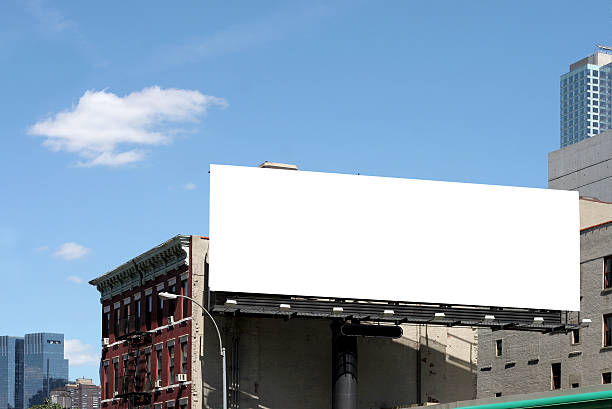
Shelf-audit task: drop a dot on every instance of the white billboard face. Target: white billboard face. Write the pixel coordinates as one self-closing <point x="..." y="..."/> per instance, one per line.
<point x="348" y="236"/>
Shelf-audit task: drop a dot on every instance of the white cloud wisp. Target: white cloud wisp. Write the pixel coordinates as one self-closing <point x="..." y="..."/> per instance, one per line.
<point x="102" y="123"/>
<point x="75" y="279"/>
<point x="79" y="353"/>
<point x="71" y="251"/>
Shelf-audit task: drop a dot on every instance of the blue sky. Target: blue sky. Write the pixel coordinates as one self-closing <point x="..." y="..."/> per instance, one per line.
<point x="112" y="112"/>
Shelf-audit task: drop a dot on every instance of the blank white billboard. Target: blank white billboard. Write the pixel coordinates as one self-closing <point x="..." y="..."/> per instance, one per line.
<point x="350" y="236"/>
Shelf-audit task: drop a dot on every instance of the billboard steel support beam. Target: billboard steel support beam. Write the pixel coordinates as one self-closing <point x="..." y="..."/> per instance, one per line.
<point x="344" y="369"/>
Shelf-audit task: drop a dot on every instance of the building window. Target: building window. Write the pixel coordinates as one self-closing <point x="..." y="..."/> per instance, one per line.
<point x="184" y="356"/>
<point x="159" y="365"/>
<point x="125" y="372"/>
<point x="149" y="311"/>
<point x="138" y="316"/>
<point x="106" y="390"/>
<point x="607" y="321"/>
<point x="555" y="376"/>
<point x="160" y="311"/>
<point x="498" y="347"/>
<point x="172" y="303"/>
<point x="106" y="324"/>
<point x="575" y="336"/>
<point x="606" y="378"/>
<point x="575" y="385"/>
<point x="608" y="272"/>
<point x="116" y="377"/>
<point x="170" y="365"/>
<point x="498" y="394"/>
<point x="148" y="371"/>
<point x="185" y="292"/>
<point x="117" y="323"/>
<point x="126" y="319"/>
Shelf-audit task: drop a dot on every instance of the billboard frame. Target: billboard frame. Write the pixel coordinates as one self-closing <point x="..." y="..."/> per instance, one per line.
<point x="389" y="312"/>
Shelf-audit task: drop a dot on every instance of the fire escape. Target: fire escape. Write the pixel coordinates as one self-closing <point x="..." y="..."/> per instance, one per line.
<point x="135" y="387"/>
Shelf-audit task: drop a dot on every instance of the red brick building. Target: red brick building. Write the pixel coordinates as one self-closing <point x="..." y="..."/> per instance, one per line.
<point x="151" y="348"/>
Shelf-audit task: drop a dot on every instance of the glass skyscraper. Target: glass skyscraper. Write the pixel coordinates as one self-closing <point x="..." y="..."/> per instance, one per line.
<point x="586" y="98"/>
<point x="11" y="372"/>
<point x="30" y="367"/>
<point x="44" y="366"/>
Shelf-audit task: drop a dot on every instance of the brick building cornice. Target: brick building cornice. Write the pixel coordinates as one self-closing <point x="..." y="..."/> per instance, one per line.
<point x="167" y="256"/>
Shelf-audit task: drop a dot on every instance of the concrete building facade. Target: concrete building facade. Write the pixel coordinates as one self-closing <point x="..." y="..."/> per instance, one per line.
<point x="585" y="166"/>
<point x="272" y="362"/>
<point x="515" y="362"/>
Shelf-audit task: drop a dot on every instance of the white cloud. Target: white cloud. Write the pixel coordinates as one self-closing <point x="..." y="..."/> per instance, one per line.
<point x="189" y="186"/>
<point x="79" y="353"/>
<point x="71" y="251"/>
<point x="48" y="17"/>
<point x="262" y="30"/>
<point x="101" y="124"/>
<point x="75" y="279"/>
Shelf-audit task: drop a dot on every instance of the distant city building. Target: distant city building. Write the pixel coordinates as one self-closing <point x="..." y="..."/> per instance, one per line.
<point x="44" y="366"/>
<point x="586" y="98"/>
<point x="585" y="166"/>
<point x="30" y="368"/>
<point x="511" y="362"/>
<point x="61" y="397"/>
<point x="84" y="394"/>
<point x="11" y="372"/>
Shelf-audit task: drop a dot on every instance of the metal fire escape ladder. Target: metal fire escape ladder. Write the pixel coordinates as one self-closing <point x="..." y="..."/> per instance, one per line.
<point x="136" y="391"/>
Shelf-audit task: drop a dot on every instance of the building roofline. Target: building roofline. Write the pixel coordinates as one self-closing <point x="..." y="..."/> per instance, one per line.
<point x="593" y="199"/>
<point x="180" y="239"/>
<point x="596" y="226"/>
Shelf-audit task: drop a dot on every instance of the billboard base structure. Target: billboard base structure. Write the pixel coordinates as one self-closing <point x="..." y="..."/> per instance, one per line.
<point x="358" y="310"/>
<point x="388" y="313"/>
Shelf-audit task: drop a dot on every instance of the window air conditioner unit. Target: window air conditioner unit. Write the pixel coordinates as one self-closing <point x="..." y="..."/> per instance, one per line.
<point x="170" y="320"/>
<point x="105" y="342"/>
<point x="181" y="377"/>
<point x="115" y="393"/>
<point x="158" y="383"/>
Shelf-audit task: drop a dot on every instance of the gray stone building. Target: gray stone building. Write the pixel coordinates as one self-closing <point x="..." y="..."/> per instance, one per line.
<point x="585" y="166"/>
<point x="516" y="362"/>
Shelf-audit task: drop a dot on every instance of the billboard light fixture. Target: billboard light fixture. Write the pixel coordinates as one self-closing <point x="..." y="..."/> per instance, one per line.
<point x="231" y="302"/>
<point x="489" y="317"/>
<point x="285" y="307"/>
<point x="337" y="309"/>
<point x="388" y="312"/>
<point x="439" y="315"/>
<point x="538" y="319"/>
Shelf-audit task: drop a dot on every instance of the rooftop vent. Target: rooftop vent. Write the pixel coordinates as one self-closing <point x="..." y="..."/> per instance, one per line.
<point x="273" y="165"/>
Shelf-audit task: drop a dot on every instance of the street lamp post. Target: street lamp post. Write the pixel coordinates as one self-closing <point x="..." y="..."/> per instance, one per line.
<point x="170" y="296"/>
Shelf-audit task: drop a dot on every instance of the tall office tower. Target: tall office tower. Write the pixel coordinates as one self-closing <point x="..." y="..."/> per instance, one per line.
<point x="586" y="98"/>
<point x="44" y="366"/>
<point x="11" y="372"/>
